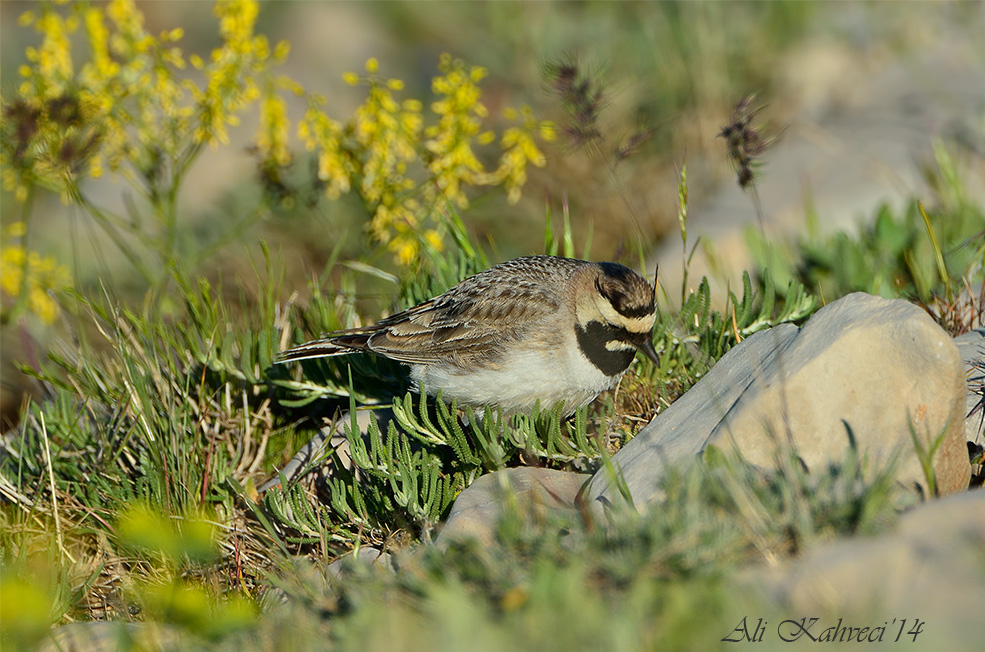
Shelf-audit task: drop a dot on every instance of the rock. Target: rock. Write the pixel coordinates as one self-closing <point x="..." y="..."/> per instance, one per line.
<point x="681" y="431"/>
<point x="871" y="364"/>
<point x="364" y="555"/>
<point x="875" y="365"/>
<point x="533" y="491"/>
<point x="929" y="569"/>
<point x="330" y="438"/>
<point x="971" y="346"/>
<point x="317" y="582"/>
<point x="951" y="520"/>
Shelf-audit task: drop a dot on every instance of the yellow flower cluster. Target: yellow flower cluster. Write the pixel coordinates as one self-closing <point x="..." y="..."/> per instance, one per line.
<point x="274" y="130"/>
<point x="392" y="142"/>
<point x="460" y="114"/>
<point x="131" y="109"/>
<point x="520" y="149"/>
<point x="29" y="276"/>
<point x="318" y="131"/>
<point x="388" y="134"/>
<point x="231" y="77"/>
<point x="127" y="109"/>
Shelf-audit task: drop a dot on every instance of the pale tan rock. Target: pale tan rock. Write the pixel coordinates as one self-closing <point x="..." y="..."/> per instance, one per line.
<point x="365" y="555"/>
<point x="928" y="570"/>
<point x="879" y="367"/>
<point x="535" y="492"/>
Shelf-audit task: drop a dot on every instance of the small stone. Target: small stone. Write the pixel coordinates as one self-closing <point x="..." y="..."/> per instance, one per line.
<point x="534" y="491"/>
<point x="330" y="439"/>
<point x="364" y="555"/>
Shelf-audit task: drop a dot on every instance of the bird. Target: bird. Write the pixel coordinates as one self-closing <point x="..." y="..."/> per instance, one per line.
<point x="535" y="330"/>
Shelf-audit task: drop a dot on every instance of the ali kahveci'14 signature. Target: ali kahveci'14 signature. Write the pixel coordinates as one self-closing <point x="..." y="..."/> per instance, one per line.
<point x="792" y="630"/>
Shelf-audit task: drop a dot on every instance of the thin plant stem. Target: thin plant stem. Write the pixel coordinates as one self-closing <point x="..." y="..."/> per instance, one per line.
<point x="54" y="497"/>
<point x="21" y="302"/>
<point x="105" y="221"/>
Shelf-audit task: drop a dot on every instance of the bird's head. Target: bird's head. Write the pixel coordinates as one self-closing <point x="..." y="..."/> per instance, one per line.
<point x="616" y="317"/>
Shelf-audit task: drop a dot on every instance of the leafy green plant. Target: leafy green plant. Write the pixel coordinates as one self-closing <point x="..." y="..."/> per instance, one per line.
<point x="408" y="475"/>
<point x="519" y="591"/>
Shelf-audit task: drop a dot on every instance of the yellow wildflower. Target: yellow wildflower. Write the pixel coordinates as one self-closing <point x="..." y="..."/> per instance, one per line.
<point x="281" y="50"/>
<point x="127" y="111"/>
<point x="407" y="243"/>
<point x="433" y="238"/>
<point x="272" y="135"/>
<point x="460" y="113"/>
<point x="319" y="132"/>
<point x="55" y="57"/>
<point x="520" y="150"/>
<point x="102" y="68"/>
<point x="388" y="132"/>
<point x="41" y="302"/>
<point x="12" y="268"/>
<point x="15" y="230"/>
<point x="44" y="276"/>
<point x="231" y="77"/>
<point x="236" y="21"/>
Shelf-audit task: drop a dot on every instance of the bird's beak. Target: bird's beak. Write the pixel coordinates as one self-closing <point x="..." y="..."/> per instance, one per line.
<point x="645" y="345"/>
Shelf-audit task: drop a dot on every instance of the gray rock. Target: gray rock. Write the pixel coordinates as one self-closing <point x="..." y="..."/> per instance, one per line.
<point x="874" y="365"/>
<point x="971" y="346"/>
<point x="930" y="568"/>
<point x="533" y="491"/>
<point x="316" y="455"/>
<point x="364" y="555"/>
<point x="681" y="431"/>
<point x="951" y="520"/>
<point x="318" y="580"/>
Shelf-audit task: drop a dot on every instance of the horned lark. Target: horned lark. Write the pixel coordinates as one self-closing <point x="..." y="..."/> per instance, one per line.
<point x="539" y="328"/>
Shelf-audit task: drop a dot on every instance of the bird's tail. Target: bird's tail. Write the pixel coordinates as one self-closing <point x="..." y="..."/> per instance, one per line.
<point x="335" y="345"/>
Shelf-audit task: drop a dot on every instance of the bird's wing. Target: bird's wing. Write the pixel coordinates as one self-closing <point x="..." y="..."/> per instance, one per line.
<point x="472" y="321"/>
